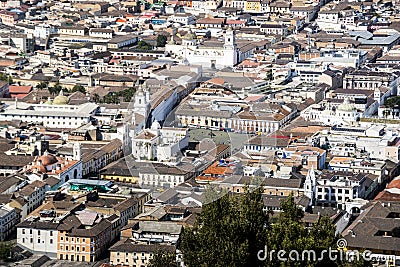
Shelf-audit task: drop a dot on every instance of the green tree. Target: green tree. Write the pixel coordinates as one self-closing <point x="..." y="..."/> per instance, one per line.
<point x="162" y="258"/>
<point x="5" y="250"/>
<point x="393" y="103"/>
<point x="233" y="230"/>
<point x="7" y="78"/>
<point x="142" y="45"/>
<point x="287" y="233"/>
<point x="229" y="232"/>
<point x="96" y="98"/>
<point x="55" y="89"/>
<point x="42" y="85"/>
<point x="161" y="40"/>
<point x="78" y="88"/>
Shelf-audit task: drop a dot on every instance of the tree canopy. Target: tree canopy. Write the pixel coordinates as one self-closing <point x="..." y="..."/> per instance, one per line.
<point x="233" y="230"/>
<point x="6" y="78"/>
<point x="163" y="259"/>
<point x="143" y="45"/>
<point x="78" y="88"/>
<point x="161" y="40"/>
<point x="114" y="97"/>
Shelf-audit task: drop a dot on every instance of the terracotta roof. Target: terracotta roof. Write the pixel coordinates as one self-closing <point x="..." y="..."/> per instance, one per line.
<point x="13" y="89"/>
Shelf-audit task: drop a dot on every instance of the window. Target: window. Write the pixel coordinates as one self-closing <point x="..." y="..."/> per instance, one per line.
<point x="61" y="256"/>
<point x="51" y="233"/>
<point x="62" y="238"/>
<point x="51" y="241"/>
<point x="23" y="231"/>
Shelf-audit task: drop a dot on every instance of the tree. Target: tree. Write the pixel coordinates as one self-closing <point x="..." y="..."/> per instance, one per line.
<point x="227" y="232"/>
<point x="6" y="78"/>
<point x="142" y="45"/>
<point x="233" y="230"/>
<point x="54" y="90"/>
<point x="161" y="40"/>
<point x="96" y="98"/>
<point x="42" y="85"/>
<point x="393" y="103"/>
<point x="5" y="250"/>
<point x="78" y="88"/>
<point x="162" y="258"/>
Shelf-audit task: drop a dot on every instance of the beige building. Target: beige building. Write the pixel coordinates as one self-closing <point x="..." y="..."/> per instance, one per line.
<point x="127" y="253"/>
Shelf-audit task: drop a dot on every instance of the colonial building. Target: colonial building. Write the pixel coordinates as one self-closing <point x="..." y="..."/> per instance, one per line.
<point x="219" y="108"/>
<point x="335" y="188"/>
<point x="8" y="220"/>
<point x="64" y="168"/>
<point x="226" y="54"/>
<point x="55" y="115"/>
<point x="160" y="144"/>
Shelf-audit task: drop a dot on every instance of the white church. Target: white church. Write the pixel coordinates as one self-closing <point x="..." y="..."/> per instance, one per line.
<point x="207" y="54"/>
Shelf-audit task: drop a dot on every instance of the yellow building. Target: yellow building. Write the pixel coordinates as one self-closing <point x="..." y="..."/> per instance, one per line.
<point x="118" y="171"/>
<point x="83" y="237"/>
<point x="253" y="6"/>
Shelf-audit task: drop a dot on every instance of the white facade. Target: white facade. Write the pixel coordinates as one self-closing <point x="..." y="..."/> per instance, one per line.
<point x="190" y="52"/>
<point x="163" y="145"/>
<point x="345" y="114"/>
<point x="39" y="240"/>
<point x="340" y="188"/>
<point x="43" y="31"/>
<point x="101" y="33"/>
<point x="156" y="179"/>
<point x="54" y="116"/>
<point x="184" y="19"/>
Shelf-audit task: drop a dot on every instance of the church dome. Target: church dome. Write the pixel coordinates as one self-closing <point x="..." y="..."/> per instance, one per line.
<point x="41" y="169"/>
<point x="346" y="106"/>
<point x="48" y="159"/>
<point x="61" y="99"/>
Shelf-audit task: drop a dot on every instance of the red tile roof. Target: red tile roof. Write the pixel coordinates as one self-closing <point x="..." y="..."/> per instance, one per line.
<point x="14" y="89"/>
